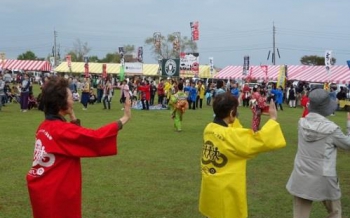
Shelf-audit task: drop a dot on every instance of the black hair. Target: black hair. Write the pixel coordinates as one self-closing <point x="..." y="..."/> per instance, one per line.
<point x="223" y="105"/>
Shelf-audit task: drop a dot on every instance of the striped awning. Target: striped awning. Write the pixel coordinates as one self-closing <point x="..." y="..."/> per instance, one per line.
<point x="28" y="65"/>
<point x="147" y="69"/>
<point x="94" y="68"/>
<point x="338" y="74"/>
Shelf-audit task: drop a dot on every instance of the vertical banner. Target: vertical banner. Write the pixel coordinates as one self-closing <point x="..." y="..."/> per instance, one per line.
<point x="104" y="70"/>
<point x="348" y="63"/>
<point x="211" y="64"/>
<point x="245" y="65"/>
<point x="176" y="42"/>
<point x="157" y="37"/>
<point x="265" y="69"/>
<point x="281" y="79"/>
<point x="140" y="54"/>
<point x="52" y="62"/>
<point x="86" y="66"/>
<point x="69" y="60"/>
<point x="328" y="62"/>
<point x="122" y="73"/>
<point x="194" y="30"/>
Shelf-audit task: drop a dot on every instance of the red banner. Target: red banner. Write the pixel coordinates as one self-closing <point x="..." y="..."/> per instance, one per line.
<point x="69" y="61"/>
<point x="86" y="66"/>
<point x="104" y="70"/>
<point x="195" y="30"/>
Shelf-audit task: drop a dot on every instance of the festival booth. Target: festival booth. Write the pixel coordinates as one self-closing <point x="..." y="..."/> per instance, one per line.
<point x="148" y="70"/>
<point x="27" y="65"/>
<point x="337" y="74"/>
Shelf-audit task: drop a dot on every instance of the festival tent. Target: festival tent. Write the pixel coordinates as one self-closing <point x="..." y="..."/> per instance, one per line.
<point x="112" y="68"/>
<point x="338" y="74"/>
<point x="28" y="65"/>
<point x="94" y="68"/>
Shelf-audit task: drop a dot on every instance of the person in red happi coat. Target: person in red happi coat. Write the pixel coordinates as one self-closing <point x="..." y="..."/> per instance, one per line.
<point x="54" y="180"/>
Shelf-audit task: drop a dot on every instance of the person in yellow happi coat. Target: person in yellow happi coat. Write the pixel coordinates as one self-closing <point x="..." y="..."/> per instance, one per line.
<point x="226" y="149"/>
<point x="168" y="89"/>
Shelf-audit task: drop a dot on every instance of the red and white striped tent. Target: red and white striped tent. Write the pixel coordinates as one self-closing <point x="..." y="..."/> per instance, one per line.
<point x="28" y="65"/>
<point x="338" y="74"/>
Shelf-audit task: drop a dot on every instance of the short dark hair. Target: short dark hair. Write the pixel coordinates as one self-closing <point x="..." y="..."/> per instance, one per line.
<point x="223" y="104"/>
<point x="180" y="86"/>
<point x="219" y="84"/>
<point x="55" y="95"/>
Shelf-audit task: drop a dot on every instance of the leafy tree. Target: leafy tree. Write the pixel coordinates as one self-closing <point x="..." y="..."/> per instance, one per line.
<point x="167" y="46"/>
<point x="28" y="55"/>
<point x="111" y="58"/>
<point x="94" y="59"/>
<point x="79" y="50"/>
<point x="314" y="60"/>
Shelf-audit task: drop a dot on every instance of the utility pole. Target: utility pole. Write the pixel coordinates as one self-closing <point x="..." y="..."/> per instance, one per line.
<point x="55" y="48"/>
<point x="274" y="45"/>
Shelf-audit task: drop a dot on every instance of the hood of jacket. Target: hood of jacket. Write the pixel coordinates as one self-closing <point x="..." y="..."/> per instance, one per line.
<point x="315" y="127"/>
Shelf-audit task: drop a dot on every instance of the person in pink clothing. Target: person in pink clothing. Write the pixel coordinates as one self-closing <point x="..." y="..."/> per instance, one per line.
<point x="124" y="91"/>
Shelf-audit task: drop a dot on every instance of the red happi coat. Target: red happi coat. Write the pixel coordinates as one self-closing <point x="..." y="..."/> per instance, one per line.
<point x="54" y="181"/>
<point x="146" y="89"/>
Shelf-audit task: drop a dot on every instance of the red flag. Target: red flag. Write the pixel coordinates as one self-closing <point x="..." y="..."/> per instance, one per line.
<point x="86" y="66"/>
<point x="69" y="61"/>
<point x="104" y="70"/>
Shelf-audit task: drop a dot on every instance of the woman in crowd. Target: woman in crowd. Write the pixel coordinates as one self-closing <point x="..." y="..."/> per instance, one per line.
<point x="54" y="180"/>
<point x="25" y="87"/>
<point x="85" y="93"/>
<point x="107" y="93"/>
<point x="257" y="105"/>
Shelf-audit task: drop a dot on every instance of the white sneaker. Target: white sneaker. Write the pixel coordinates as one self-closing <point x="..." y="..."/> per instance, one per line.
<point x="84" y="108"/>
<point x="24" y="111"/>
<point x="122" y="109"/>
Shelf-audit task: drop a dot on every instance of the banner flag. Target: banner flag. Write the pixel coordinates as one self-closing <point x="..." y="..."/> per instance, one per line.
<point x="281" y="79"/>
<point x="211" y="64"/>
<point x="69" y="61"/>
<point x="140" y="54"/>
<point x="348" y="63"/>
<point x="121" y="73"/>
<point x="245" y="65"/>
<point x="104" y="70"/>
<point x="86" y="66"/>
<point x="265" y="68"/>
<point x="171" y="67"/>
<point x="194" y="30"/>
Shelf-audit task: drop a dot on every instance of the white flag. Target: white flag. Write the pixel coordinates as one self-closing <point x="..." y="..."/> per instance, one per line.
<point x="211" y="64"/>
<point x="328" y="58"/>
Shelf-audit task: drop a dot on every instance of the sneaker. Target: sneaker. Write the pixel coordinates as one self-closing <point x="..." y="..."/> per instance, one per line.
<point x="84" y="108"/>
<point x="122" y="109"/>
<point x="24" y="111"/>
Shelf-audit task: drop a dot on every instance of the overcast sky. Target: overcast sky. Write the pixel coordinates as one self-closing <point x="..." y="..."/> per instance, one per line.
<point x="229" y="29"/>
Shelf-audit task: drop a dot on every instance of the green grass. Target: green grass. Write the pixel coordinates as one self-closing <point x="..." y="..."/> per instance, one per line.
<point x="156" y="173"/>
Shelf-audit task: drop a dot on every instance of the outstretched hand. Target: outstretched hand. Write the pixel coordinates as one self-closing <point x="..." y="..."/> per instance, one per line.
<point x="272" y="110"/>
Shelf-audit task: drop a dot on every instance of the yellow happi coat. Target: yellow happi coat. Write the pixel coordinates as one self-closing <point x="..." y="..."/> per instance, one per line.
<point x="225" y="152"/>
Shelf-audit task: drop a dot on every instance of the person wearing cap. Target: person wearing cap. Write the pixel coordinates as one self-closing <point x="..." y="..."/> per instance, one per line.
<point x="314" y="177"/>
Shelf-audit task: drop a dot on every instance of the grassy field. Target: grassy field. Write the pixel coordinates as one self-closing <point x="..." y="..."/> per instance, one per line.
<point x="156" y="173"/>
